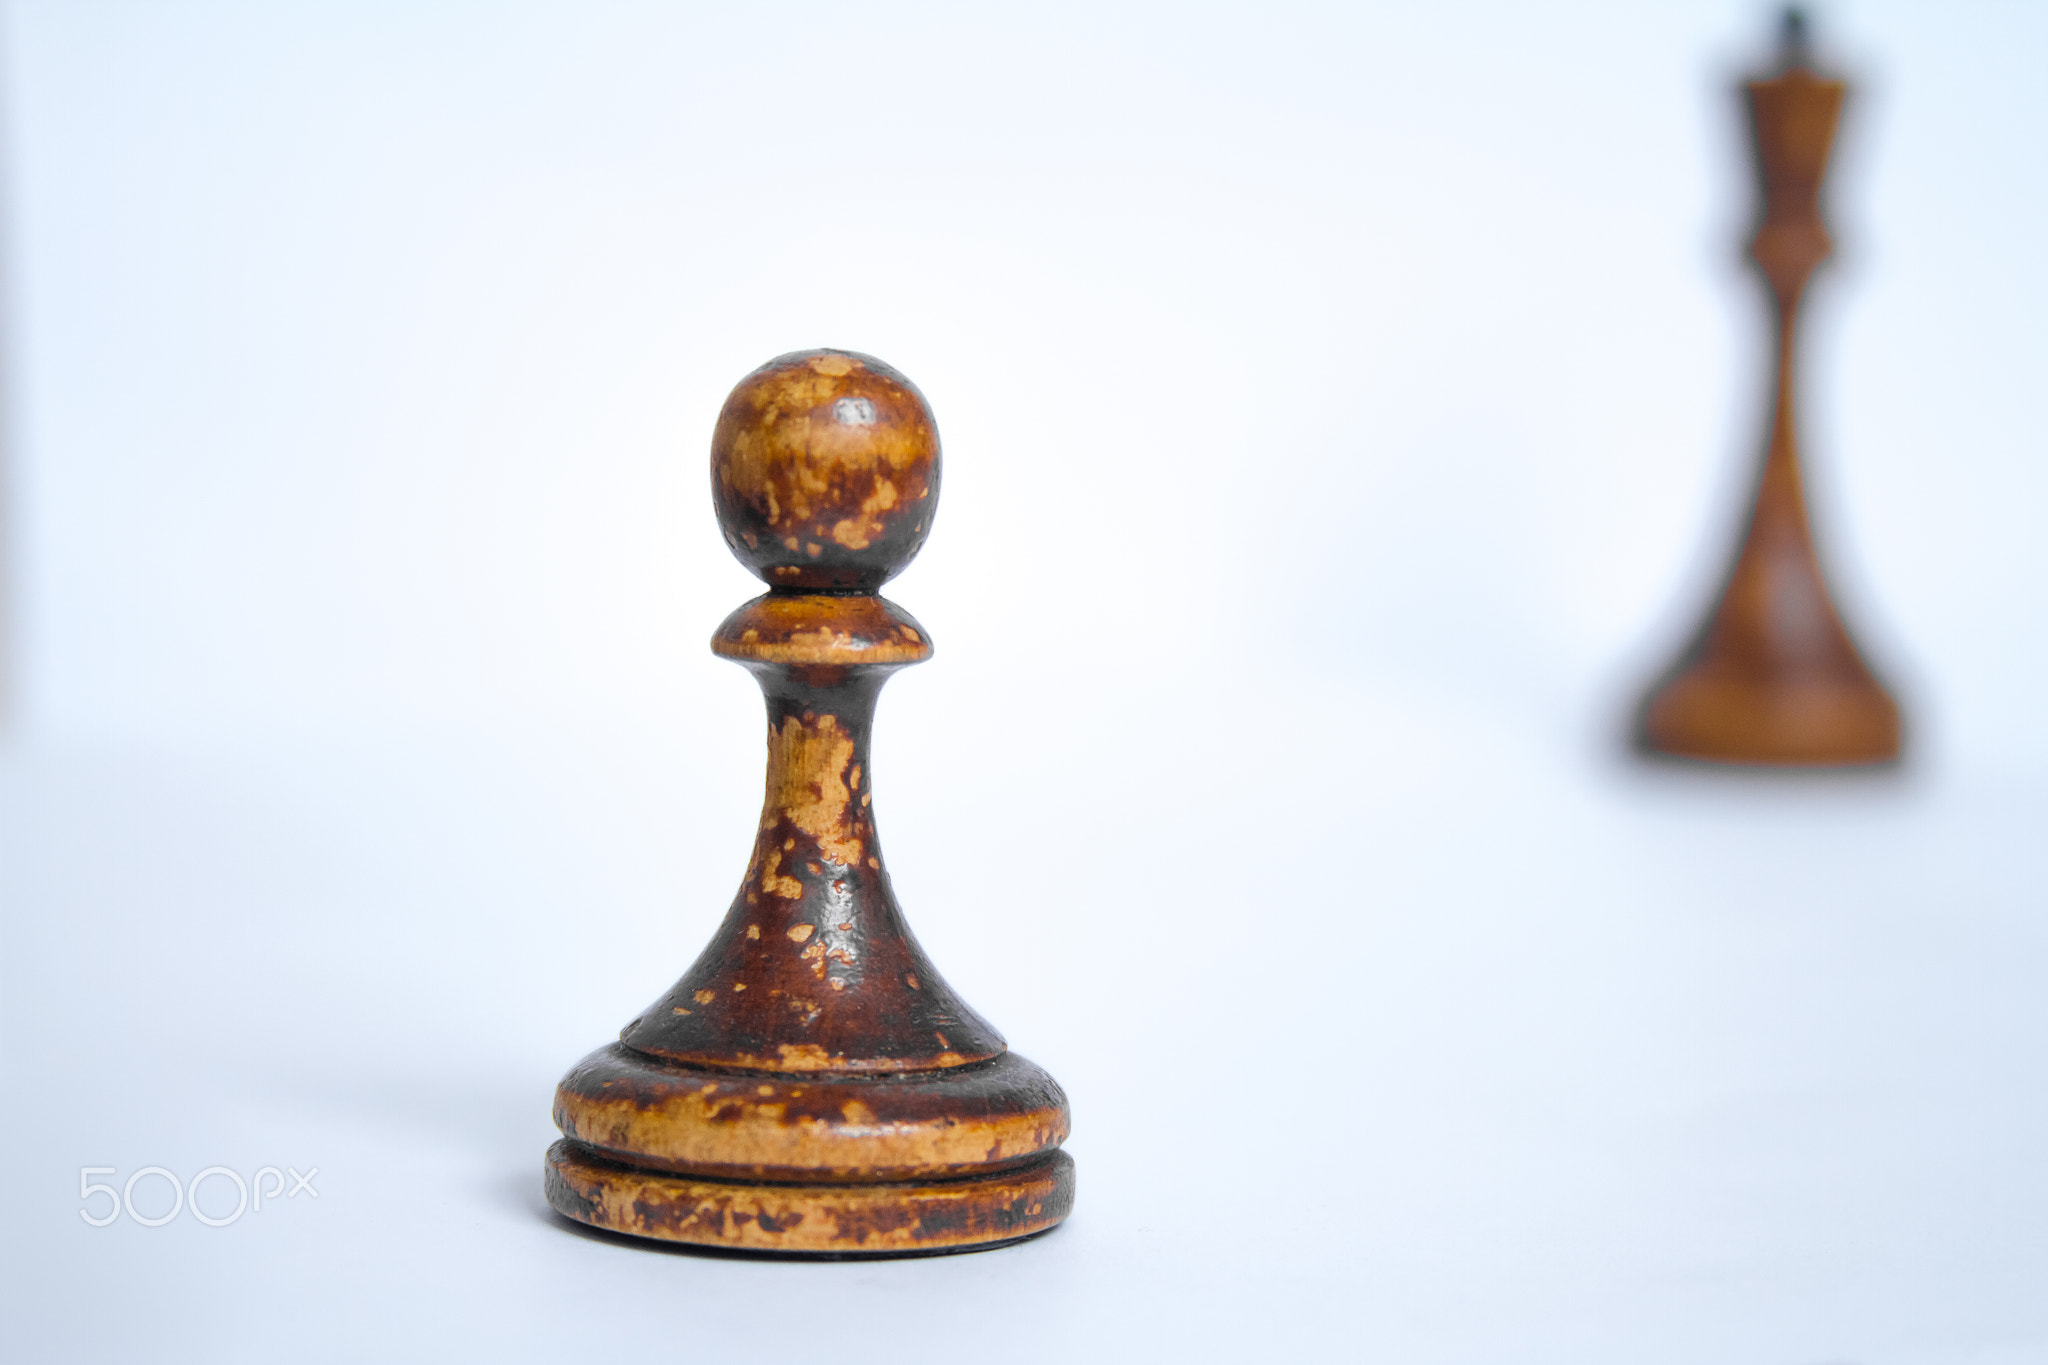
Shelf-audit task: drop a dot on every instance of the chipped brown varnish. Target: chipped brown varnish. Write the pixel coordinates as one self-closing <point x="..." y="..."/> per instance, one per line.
<point x="884" y="1220"/>
<point x="812" y="1084"/>
<point x="825" y="470"/>
<point x="815" y="968"/>
<point x="926" y="1125"/>
<point x="822" y="629"/>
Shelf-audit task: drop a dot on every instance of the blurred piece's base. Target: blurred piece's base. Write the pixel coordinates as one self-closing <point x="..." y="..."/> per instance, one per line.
<point x="1715" y="715"/>
<point x="972" y="1214"/>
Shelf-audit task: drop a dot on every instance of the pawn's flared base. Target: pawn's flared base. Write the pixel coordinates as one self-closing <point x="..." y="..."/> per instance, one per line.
<point x="919" y="1218"/>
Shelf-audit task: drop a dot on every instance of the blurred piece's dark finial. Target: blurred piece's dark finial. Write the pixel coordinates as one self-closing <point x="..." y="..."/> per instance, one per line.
<point x="1795" y="43"/>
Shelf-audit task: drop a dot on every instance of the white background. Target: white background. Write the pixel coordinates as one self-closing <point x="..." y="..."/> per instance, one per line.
<point x="1346" y="409"/>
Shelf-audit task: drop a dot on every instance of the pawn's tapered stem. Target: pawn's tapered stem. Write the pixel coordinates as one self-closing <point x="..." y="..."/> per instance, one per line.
<point x="814" y="968"/>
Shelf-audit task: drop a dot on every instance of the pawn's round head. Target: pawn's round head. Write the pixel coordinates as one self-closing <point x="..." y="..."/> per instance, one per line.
<point x="825" y="471"/>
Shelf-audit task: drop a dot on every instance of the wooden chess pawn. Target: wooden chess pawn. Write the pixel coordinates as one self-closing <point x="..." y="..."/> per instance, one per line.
<point x="812" y="1084"/>
<point x="1773" y="677"/>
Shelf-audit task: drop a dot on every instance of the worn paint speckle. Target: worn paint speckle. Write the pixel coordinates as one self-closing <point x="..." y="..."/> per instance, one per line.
<point x="807" y="766"/>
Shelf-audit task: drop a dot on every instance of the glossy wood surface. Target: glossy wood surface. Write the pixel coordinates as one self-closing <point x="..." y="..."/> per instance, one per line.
<point x="825" y="471"/>
<point x="811" y="1084"/>
<point x="1773" y="677"/>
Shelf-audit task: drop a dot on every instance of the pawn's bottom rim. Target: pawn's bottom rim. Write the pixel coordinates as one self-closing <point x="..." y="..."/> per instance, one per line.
<point x="917" y="1218"/>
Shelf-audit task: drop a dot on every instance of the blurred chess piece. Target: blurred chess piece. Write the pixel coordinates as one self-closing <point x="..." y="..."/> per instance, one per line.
<point x="812" y="1085"/>
<point x="1773" y="677"/>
